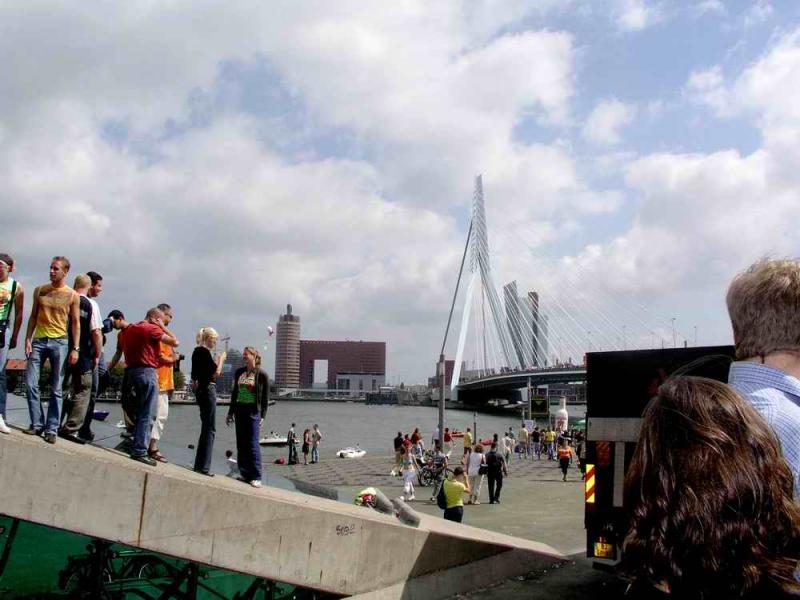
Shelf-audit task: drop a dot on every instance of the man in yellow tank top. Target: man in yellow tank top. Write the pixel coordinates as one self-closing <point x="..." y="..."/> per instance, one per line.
<point x="54" y="313"/>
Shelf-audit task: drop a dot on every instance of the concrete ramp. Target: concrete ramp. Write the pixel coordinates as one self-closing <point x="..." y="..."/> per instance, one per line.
<point x="268" y="532"/>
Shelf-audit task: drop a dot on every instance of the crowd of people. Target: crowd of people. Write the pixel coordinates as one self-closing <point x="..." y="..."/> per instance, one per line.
<point x="65" y="328"/>
<point x="712" y="487"/>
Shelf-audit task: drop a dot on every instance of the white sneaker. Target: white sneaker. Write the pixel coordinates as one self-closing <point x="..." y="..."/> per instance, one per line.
<point x="256" y="483"/>
<point x="410" y="498"/>
<point x="3" y="427"/>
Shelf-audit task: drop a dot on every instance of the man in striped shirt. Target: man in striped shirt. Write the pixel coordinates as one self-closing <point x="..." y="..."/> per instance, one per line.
<point x="763" y="304"/>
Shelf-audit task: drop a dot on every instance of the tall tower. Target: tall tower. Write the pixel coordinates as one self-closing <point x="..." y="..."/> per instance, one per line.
<point x="536" y="333"/>
<point x="287" y="350"/>
<point x="514" y="320"/>
<point x="544" y="343"/>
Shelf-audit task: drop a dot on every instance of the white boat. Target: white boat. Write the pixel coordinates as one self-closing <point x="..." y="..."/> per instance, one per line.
<point x="273" y="439"/>
<point x="351" y="452"/>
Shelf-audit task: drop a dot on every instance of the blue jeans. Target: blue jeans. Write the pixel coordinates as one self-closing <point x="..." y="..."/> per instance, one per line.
<point x="3" y="390"/>
<point x="57" y="350"/>
<point x="248" y="453"/>
<point x="206" y="396"/>
<point x="145" y="383"/>
<point x="314" y="453"/>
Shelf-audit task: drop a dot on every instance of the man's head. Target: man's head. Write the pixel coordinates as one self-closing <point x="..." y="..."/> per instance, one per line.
<point x="6" y="265"/>
<point x="458" y="471"/>
<point x="763" y="304"/>
<point x="117" y="319"/>
<point x="166" y="311"/>
<point x="59" y="267"/>
<point x="82" y="283"/>
<point x="154" y="316"/>
<point x="97" y="284"/>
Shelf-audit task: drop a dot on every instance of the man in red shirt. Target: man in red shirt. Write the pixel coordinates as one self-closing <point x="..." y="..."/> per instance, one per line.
<point x="141" y="344"/>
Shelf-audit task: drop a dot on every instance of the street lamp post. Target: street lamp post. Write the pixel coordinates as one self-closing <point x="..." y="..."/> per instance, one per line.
<point x="674" y="341"/>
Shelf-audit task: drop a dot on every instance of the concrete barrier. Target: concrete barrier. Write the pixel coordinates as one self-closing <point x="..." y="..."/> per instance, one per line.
<point x="268" y="532"/>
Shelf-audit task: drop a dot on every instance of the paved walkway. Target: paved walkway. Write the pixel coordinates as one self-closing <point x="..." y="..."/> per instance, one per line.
<point x="535" y="504"/>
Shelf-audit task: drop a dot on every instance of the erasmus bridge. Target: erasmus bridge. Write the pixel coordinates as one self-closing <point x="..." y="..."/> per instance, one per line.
<point x="508" y="341"/>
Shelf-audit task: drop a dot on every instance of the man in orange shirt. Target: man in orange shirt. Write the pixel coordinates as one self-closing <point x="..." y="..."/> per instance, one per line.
<point x="166" y="385"/>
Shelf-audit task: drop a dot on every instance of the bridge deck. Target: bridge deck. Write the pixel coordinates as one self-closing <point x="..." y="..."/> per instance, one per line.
<point x="268" y="532"/>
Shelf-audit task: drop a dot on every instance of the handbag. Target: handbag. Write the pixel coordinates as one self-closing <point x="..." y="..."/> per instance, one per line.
<point x="441" y="499"/>
<point x="483" y="469"/>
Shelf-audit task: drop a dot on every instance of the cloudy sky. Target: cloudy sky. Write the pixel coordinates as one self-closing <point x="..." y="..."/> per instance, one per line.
<point x="231" y="158"/>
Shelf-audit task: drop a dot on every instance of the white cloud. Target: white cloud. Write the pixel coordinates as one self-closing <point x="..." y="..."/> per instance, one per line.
<point x="181" y="209"/>
<point x="708" y="87"/>
<point x="761" y="89"/>
<point x="759" y="12"/>
<point x="608" y="117"/>
<point x="702" y="217"/>
<point x="708" y="7"/>
<point x="635" y="15"/>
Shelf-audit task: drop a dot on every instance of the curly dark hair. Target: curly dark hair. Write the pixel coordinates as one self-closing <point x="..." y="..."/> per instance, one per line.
<point x="710" y="494"/>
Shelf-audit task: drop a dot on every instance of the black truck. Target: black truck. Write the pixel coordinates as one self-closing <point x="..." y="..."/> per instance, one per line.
<point x="619" y="386"/>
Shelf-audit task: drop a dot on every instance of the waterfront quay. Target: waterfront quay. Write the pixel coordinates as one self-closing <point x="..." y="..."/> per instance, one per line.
<point x="535" y="504"/>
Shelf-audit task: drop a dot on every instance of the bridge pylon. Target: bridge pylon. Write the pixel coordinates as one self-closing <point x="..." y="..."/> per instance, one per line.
<point x="481" y="286"/>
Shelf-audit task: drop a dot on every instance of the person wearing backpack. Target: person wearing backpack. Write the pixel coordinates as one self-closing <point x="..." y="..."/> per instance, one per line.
<point x="496" y="467"/>
<point x="12" y="298"/>
<point x="453" y="490"/>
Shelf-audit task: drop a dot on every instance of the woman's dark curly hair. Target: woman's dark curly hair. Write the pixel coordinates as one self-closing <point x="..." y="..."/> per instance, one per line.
<point x="710" y="494"/>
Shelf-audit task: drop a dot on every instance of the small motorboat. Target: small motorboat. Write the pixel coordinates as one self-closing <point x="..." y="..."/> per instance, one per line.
<point x="351" y="452"/>
<point x="273" y="439"/>
<point x="100" y="415"/>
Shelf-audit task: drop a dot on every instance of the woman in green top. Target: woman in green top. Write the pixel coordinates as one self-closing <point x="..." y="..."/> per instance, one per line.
<point x="454" y="490"/>
<point x="249" y="401"/>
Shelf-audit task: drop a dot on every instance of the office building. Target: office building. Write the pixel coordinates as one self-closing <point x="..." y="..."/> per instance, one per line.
<point x="287" y="350"/>
<point x="343" y="357"/>
<point x="515" y="322"/>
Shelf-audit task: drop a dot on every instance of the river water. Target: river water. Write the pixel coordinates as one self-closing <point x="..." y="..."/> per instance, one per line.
<point x="342" y="424"/>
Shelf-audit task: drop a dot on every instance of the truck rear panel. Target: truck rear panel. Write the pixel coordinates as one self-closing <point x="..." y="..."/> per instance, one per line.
<point x="619" y="386"/>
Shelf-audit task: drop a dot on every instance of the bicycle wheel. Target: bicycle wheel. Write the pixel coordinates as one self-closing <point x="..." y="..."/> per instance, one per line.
<point x="425" y="477"/>
<point x="145" y="566"/>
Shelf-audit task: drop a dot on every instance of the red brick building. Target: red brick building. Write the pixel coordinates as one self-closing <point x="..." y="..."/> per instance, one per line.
<point x="342" y="357"/>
